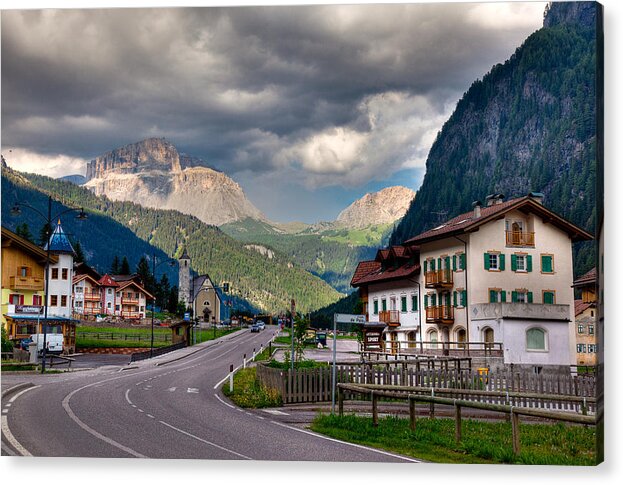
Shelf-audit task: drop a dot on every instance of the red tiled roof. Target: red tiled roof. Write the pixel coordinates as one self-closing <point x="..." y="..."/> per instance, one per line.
<point x="363" y="269"/>
<point x="587" y="279"/>
<point x="389" y="274"/>
<point x="466" y="221"/>
<point x="129" y="283"/>
<point x="381" y="255"/>
<point x="580" y="306"/>
<point x="106" y="280"/>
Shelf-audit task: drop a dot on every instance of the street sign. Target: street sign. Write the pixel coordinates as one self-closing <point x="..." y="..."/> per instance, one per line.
<point x="349" y="318"/>
<point x="186" y="316"/>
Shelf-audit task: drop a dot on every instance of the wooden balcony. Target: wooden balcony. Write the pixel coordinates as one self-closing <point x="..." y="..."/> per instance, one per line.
<point x="129" y="301"/>
<point x="130" y="314"/>
<point x="440" y="278"/>
<point x="440" y="314"/>
<point x="520" y="239"/>
<point x="33" y="283"/>
<point x="390" y="317"/>
<point x="88" y="296"/>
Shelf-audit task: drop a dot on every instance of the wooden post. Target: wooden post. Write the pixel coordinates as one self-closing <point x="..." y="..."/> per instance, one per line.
<point x="340" y="401"/>
<point x="412" y="417"/>
<point x="375" y="409"/>
<point x="431" y="412"/>
<point x="457" y="423"/>
<point x="516" y="439"/>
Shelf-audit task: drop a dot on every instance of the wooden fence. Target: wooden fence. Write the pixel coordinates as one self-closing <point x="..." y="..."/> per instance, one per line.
<point x="314" y="385"/>
<point x="130" y="337"/>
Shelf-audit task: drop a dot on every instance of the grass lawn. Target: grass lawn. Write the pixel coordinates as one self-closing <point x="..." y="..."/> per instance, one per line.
<point x="249" y="393"/>
<point x="483" y="442"/>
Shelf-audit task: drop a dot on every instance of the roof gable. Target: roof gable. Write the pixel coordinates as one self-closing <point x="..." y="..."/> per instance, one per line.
<point x="59" y="242"/>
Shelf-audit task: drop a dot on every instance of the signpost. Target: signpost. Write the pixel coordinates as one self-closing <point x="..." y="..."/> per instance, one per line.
<point x="340" y="318"/>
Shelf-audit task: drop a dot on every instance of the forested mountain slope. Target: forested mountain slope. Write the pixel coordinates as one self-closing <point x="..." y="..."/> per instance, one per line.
<point x="528" y="125"/>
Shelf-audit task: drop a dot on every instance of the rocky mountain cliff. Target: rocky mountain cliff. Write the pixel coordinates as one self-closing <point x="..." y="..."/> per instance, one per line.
<point x="528" y="125"/>
<point x="154" y="174"/>
<point x="383" y="207"/>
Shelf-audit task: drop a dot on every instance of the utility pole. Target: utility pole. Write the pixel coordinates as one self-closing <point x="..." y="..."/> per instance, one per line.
<point x="292" y="310"/>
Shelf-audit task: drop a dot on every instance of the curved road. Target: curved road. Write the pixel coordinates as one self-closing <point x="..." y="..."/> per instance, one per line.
<point x="167" y="407"/>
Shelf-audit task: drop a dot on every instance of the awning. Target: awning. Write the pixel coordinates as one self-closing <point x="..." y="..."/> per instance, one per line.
<point x="23" y="317"/>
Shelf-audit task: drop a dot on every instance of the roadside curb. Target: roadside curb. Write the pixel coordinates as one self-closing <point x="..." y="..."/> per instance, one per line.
<point x="16" y="388"/>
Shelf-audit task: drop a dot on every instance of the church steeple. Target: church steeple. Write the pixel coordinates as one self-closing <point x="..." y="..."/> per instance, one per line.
<point x="184" y="279"/>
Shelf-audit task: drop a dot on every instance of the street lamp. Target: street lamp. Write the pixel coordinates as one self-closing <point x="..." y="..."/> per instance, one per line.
<point x="16" y="210"/>
<point x="171" y="263"/>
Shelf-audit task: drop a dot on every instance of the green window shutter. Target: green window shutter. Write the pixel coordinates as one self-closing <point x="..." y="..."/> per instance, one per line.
<point x="464" y="298"/>
<point x="503" y="294"/>
<point x="530" y="297"/>
<point x="448" y="299"/>
<point x="455" y="300"/>
<point x="492" y="296"/>
<point x="384" y="305"/>
<point x="425" y="266"/>
<point x="376" y="307"/>
<point x="447" y="262"/>
<point x="514" y="297"/>
<point x="454" y="263"/>
<point x="403" y="303"/>
<point x="513" y="262"/>
<point x="433" y="299"/>
<point x="546" y="264"/>
<point x="413" y="303"/>
<point x="548" y="298"/>
<point x="425" y="301"/>
<point x="432" y="265"/>
<point x="438" y="263"/>
<point x="529" y="263"/>
<point x="502" y="265"/>
<point x="463" y="261"/>
<point x="487" y="261"/>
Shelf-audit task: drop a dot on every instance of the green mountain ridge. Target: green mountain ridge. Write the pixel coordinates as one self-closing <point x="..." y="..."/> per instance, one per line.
<point x="267" y="283"/>
<point x="528" y="125"/>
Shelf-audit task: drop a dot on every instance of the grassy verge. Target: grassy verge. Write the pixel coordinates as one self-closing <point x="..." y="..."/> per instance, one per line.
<point x="483" y="442"/>
<point x="90" y="343"/>
<point x="249" y="393"/>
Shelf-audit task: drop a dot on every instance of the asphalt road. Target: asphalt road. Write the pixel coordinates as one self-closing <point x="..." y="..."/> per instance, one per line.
<point x="167" y="407"/>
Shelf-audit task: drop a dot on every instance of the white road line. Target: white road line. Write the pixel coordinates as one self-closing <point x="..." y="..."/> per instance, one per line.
<point x="22" y="392"/>
<point x="192" y="390"/>
<point x="90" y="430"/>
<point x="206" y="442"/>
<point x="150" y="416"/>
<point x="171" y="389"/>
<point x="11" y="439"/>
<point x="275" y="411"/>
<point x="223" y="402"/>
<point x="127" y="398"/>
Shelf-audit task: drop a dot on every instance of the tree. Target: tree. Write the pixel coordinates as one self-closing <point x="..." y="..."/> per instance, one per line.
<point x="172" y="300"/>
<point x="144" y="271"/>
<point x="44" y="234"/>
<point x="125" y="266"/>
<point x="115" y="267"/>
<point x="23" y="230"/>
<point x="301" y="325"/>
<point x="79" y="257"/>
<point x="163" y="290"/>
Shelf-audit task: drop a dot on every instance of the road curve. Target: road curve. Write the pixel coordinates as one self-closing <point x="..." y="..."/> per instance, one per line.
<point x="170" y="410"/>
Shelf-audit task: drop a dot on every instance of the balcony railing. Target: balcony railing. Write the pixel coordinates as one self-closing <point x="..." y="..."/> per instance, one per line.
<point x="26" y="283"/>
<point x="88" y="296"/>
<point x="440" y="314"/>
<point x="129" y="300"/>
<point x="440" y="278"/>
<point x="390" y="317"/>
<point x="519" y="238"/>
<point x="130" y="315"/>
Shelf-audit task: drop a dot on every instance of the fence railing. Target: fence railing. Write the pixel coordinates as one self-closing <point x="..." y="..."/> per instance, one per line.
<point x="314" y="385"/>
<point x="156" y="352"/>
<point x="130" y="337"/>
<point x="433" y="347"/>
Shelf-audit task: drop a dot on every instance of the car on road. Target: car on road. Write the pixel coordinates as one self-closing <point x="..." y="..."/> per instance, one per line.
<point x="261" y="324"/>
<point x="255" y="327"/>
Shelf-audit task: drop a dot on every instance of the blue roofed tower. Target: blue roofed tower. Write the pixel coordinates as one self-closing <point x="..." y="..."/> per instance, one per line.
<point x="61" y="274"/>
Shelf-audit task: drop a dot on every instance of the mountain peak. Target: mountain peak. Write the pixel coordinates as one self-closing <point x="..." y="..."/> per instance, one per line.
<point x="383" y="207"/>
<point x="570" y="13"/>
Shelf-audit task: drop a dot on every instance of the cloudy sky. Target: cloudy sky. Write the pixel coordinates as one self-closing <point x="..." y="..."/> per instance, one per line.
<point x="307" y="107"/>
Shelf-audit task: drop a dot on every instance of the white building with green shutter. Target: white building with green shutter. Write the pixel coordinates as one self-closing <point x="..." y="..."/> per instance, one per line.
<point x="500" y="276"/>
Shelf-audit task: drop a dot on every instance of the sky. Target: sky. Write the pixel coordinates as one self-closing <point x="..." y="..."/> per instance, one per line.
<point x="307" y="107"/>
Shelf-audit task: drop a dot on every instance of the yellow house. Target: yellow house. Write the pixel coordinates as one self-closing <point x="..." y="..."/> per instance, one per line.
<point x="23" y="291"/>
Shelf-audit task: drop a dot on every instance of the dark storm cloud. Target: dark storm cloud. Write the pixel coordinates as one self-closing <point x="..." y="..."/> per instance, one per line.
<point x="332" y="93"/>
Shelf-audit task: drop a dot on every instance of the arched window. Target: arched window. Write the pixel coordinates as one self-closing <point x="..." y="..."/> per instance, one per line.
<point x="412" y="338"/>
<point x="461" y="338"/>
<point x="433" y="337"/>
<point x="488" y="337"/>
<point x="536" y="339"/>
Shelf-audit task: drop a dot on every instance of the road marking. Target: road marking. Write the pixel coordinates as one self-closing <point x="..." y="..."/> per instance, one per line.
<point x="226" y="403"/>
<point x="8" y="405"/>
<point x="192" y="390"/>
<point x="171" y="389"/>
<point x="206" y="442"/>
<point x="127" y="397"/>
<point x="140" y="410"/>
<point x="6" y="432"/>
<point x="22" y="392"/>
<point x="275" y="411"/>
<point x="150" y="416"/>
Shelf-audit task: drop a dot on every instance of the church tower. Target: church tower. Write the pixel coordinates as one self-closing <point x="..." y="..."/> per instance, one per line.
<point x="184" y="279"/>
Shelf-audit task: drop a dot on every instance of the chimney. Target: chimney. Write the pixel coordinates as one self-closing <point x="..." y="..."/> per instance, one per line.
<point x="537" y="197"/>
<point x="498" y="199"/>
<point x="476" y="205"/>
<point x="489" y="200"/>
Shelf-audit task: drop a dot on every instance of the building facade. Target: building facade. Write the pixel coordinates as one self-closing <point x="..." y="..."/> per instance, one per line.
<point x="586" y="319"/>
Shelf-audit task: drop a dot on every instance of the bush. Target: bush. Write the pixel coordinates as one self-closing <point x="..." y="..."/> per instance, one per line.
<point x="249" y="393"/>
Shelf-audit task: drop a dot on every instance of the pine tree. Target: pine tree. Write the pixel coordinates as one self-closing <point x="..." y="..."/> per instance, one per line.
<point x="115" y="267"/>
<point x="23" y="230"/>
<point x="144" y="271"/>
<point x="79" y="257"/>
<point x="125" y="266"/>
<point x="44" y="234"/>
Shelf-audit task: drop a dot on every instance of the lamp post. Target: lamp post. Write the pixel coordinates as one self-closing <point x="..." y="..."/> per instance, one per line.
<point x="171" y="263"/>
<point x="16" y="210"/>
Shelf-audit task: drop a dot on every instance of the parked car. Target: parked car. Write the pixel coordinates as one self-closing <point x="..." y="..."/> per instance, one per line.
<point x="261" y="324"/>
<point x="24" y="343"/>
<point x="255" y="327"/>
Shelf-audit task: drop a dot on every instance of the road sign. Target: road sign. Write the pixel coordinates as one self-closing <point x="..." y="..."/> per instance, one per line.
<point x="186" y="316"/>
<point x="349" y="318"/>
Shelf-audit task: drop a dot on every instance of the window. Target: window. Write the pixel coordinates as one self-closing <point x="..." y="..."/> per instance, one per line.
<point x="53" y="300"/>
<point x="547" y="263"/>
<point x="64" y="273"/>
<point x="37" y="300"/>
<point x="54" y="274"/>
<point x="591" y="329"/>
<point x="63" y="300"/>
<point x="535" y="339"/>
<point x="592" y="348"/>
<point x="78" y="304"/>
<point x="494" y="261"/>
<point x="403" y="303"/>
<point x="384" y="304"/>
<point x="24" y="271"/>
<point x="496" y="295"/>
<point x="117" y="308"/>
<point x="16" y="299"/>
<point x="78" y="289"/>
<point x="109" y="291"/>
<point x="376" y="307"/>
<point x="580" y="328"/>
<point x="109" y="305"/>
<point x="458" y="262"/>
<point x="414" y="303"/>
<point x="460" y="298"/>
<point x="549" y="297"/>
<point x="522" y="296"/>
<point x="581" y="348"/>
<point x="433" y="337"/>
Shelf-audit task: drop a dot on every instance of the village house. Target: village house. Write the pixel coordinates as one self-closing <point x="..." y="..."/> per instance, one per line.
<point x="585" y="319"/>
<point x="497" y="277"/>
